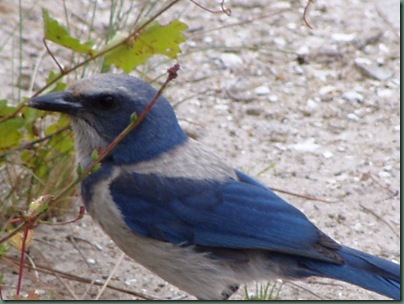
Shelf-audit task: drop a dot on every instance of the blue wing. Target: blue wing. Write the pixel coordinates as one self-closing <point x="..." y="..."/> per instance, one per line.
<point x="240" y="214"/>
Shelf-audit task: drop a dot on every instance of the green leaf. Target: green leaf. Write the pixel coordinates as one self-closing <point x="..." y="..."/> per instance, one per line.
<point x="10" y="134"/>
<point x="30" y="115"/>
<point x="56" y="87"/>
<point x="3" y="251"/>
<point x="133" y="117"/>
<point x="5" y="110"/>
<point x="79" y="170"/>
<point x="96" y="168"/>
<point x="59" y="34"/>
<point x="62" y="122"/>
<point x="63" y="142"/>
<point x="94" y="155"/>
<point x="155" y="39"/>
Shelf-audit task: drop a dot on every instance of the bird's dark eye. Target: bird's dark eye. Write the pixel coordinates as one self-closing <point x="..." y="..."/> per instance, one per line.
<point x="107" y="101"/>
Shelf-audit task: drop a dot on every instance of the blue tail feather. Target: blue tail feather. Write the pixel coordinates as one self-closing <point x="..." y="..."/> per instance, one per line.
<point x="362" y="269"/>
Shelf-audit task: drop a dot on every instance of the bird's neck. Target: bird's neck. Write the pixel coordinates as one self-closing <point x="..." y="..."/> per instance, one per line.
<point x="143" y="146"/>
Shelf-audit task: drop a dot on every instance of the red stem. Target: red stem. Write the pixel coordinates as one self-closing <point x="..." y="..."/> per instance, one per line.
<point x="22" y="261"/>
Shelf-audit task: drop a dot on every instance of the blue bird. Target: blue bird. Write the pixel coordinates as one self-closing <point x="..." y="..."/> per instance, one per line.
<point x="180" y="211"/>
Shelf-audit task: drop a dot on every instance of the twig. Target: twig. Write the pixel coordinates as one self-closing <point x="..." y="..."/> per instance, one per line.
<point x="308" y="197"/>
<point x="62" y="71"/>
<point x="227" y="11"/>
<point x="33" y="265"/>
<point x="118" y="263"/>
<point x="68" y="288"/>
<point x="304" y="288"/>
<point x="71" y="239"/>
<point x="35" y="71"/>
<point x="69" y="276"/>
<point x="369" y="175"/>
<point x="380" y="219"/>
<point x="395" y="31"/>
<point x="91" y="284"/>
<point x="306" y="9"/>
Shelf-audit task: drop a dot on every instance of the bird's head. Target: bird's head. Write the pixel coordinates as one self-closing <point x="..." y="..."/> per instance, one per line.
<point x="100" y="108"/>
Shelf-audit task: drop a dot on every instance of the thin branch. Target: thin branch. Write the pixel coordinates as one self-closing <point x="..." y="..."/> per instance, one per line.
<point x="308" y="197"/>
<point x="380" y="219"/>
<point x="306" y="10"/>
<point x="118" y="263"/>
<point x="304" y="288"/>
<point x="51" y="271"/>
<point x="224" y="10"/>
<point x="62" y="71"/>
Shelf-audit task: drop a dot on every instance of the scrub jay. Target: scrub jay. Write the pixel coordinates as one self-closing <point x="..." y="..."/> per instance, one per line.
<point x="180" y="211"/>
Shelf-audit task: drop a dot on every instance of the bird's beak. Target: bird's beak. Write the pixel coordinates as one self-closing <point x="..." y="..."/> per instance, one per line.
<point x="63" y="102"/>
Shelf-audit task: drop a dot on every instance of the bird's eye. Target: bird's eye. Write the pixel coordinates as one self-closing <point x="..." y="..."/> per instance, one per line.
<point x="107" y="101"/>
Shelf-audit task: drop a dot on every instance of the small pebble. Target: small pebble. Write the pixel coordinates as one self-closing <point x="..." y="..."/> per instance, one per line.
<point x="91" y="261"/>
<point x="353" y="96"/>
<point x="231" y="60"/>
<point x="303" y="50"/>
<point x="353" y="117"/>
<point x="342" y="37"/>
<point x="273" y="98"/>
<point x="221" y="107"/>
<point x="384" y="174"/>
<point x="207" y="39"/>
<point x="280" y="41"/>
<point x="291" y="26"/>
<point x="130" y="282"/>
<point x="326" y="90"/>
<point x="262" y="90"/>
<point x="328" y="154"/>
<point x="98" y="246"/>
<point x="311" y="104"/>
<point x="384" y="93"/>
<point x="383" y="48"/>
<point x="372" y="70"/>
<point x="358" y="227"/>
<point x="308" y="145"/>
<point x="298" y="69"/>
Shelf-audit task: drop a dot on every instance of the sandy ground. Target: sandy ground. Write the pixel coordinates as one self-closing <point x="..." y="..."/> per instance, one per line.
<point x="310" y="111"/>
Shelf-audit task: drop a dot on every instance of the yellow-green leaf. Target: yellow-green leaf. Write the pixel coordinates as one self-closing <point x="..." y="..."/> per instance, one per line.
<point x="62" y="122"/>
<point x="10" y="134"/>
<point x="55" y="87"/>
<point x="18" y="239"/>
<point x="30" y="115"/>
<point x="94" y="155"/>
<point x="133" y="117"/>
<point x="155" y="39"/>
<point x="6" y="110"/>
<point x="59" y="34"/>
